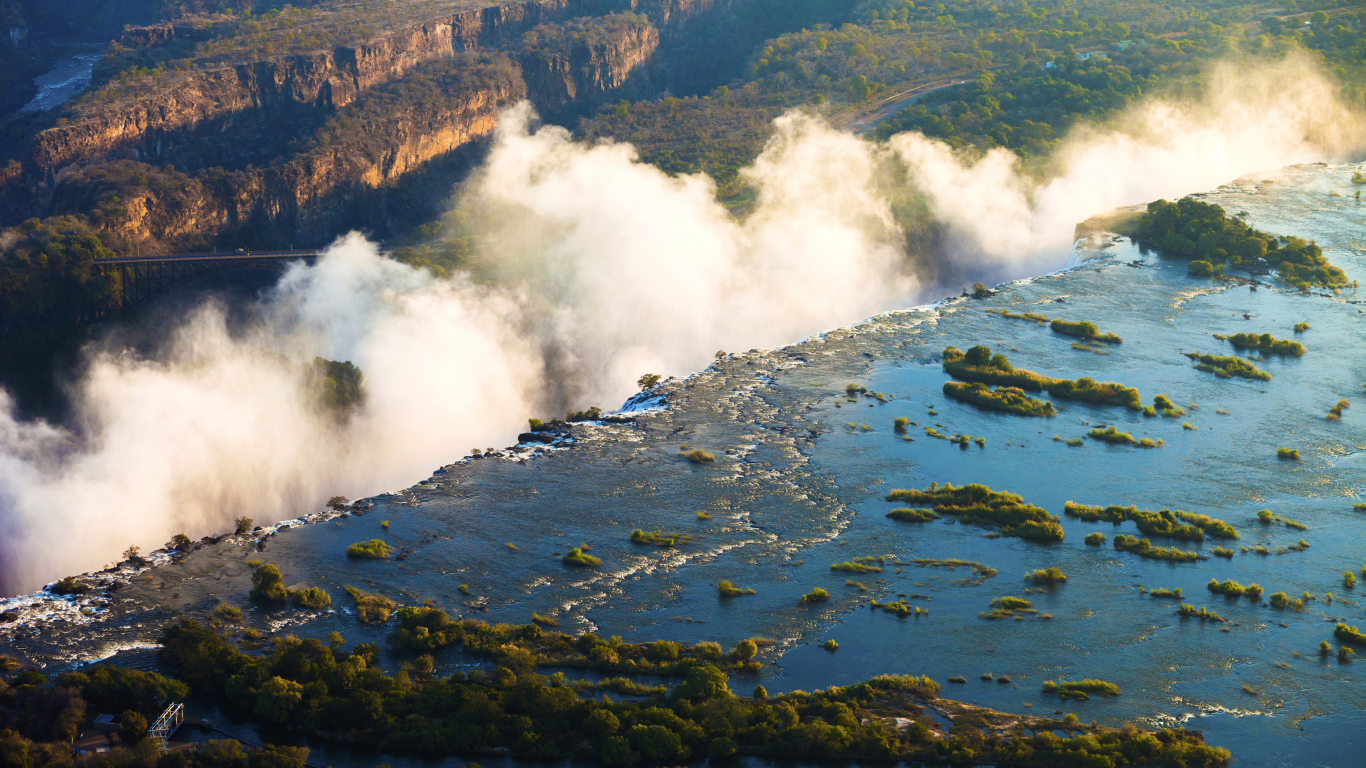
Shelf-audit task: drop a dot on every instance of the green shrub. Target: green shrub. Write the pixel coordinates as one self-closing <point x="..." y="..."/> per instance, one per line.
<point x="1112" y="435"/>
<point x="1202" y="613"/>
<point x="1349" y="579"/>
<point x="1226" y="367"/>
<point x="1085" y="330"/>
<point x="816" y="595"/>
<point x="1047" y="576"/>
<point x="1216" y="528"/>
<point x="1231" y="588"/>
<point x="1265" y="343"/>
<point x="976" y="504"/>
<point x="312" y="598"/>
<point x="830" y="645"/>
<point x="727" y="589"/>
<point x="1144" y="548"/>
<point x="1290" y="454"/>
<point x="1346" y="634"/>
<point x="1222" y="552"/>
<point x="1089" y="390"/>
<point x="698" y="456"/>
<point x="979" y="364"/>
<point x="543" y="621"/>
<point x="1032" y="317"/>
<point x="267" y="583"/>
<point x="1007" y="607"/>
<point x="1004" y="399"/>
<point x="858" y="565"/>
<point x="659" y="538"/>
<point x="374" y="549"/>
<point x="1200" y="268"/>
<point x="913" y="515"/>
<point x="227" y="612"/>
<point x="578" y="557"/>
<point x="1085" y="687"/>
<point x="1095" y="538"/>
<point x="1282" y="601"/>
<point x="1172" y="593"/>
<point x="370" y="608"/>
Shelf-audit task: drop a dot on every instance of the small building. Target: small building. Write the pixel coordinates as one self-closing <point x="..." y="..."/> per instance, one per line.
<point x="108" y="722"/>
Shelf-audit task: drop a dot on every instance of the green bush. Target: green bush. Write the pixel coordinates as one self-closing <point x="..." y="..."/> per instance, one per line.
<point x="1095" y="538"/>
<point x="1047" y="576"/>
<point x="698" y="456"/>
<point x="907" y="515"/>
<point x="1144" y="548"/>
<point x="370" y="608"/>
<point x="816" y="595"/>
<point x="267" y="583"/>
<point x="578" y="557"/>
<point x="976" y="504"/>
<point x="1085" y="330"/>
<point x="979" y="364"/>
<point x="1292" y="454"/>
<point x="313" y="598"/>
<point x="374" y="549"/>
<point x="727" y="589"/>
<point x="1227" y="367"/>
<point x="1265" y="343"/>
<point x="659" y="538"/>
<point x="1005" y="399"/>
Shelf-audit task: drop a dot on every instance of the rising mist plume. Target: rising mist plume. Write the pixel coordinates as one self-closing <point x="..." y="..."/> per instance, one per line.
<point x="592" y="270"/>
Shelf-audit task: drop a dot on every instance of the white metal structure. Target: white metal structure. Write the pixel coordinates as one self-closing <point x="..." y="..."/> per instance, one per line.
<point x="167" y="723"/>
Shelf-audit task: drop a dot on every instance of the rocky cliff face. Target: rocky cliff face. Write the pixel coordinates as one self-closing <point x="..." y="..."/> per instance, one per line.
<point x="584" y="63"/>
<point x="270" y="152"/>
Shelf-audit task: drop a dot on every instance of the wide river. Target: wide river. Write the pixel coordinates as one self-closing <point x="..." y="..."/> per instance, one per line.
<point x="798" y="484"/>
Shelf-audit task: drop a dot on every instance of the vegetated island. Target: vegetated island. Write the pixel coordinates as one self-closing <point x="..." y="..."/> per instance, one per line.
<point x="1006" y="399"/>
<point x="979" y="364"/>
<point x="1227" y="366"/>
<point x="1083" y="329"/>
<point x="1204" y="233"/>
<point x="1080" y="328"/>
<point x="976" y="504"/>
<point x="1113" y="436"/>
<point x="1177" y="524"/>
<point x="1265" y="343"/>
<point x="1144" y="548"/>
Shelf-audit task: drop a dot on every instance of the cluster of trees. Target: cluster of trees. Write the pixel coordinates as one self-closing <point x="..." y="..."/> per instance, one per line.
<point x="1204" y="233"/>
<point x="330" y="693"/>
<point x="50" y="289"/>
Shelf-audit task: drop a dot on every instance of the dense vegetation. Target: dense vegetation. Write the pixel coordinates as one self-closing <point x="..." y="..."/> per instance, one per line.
<point x="976" y="504"/>
<point x="1192" y="229"/>
<point x="1144" y="548"/>
<point x="329" y="693"/>
<point x="1007" y="399"/>
<point x="1227" y="366"/>
<point x="1084" y="329"/>
<point x="1265" y="343"/>
<point x="980" y="365"/>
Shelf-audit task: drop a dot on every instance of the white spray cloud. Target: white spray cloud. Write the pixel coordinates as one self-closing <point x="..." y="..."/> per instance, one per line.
<point x="1248" y="121"/>
<point x="593" y="269"/>
<point x="608" y="269"/>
